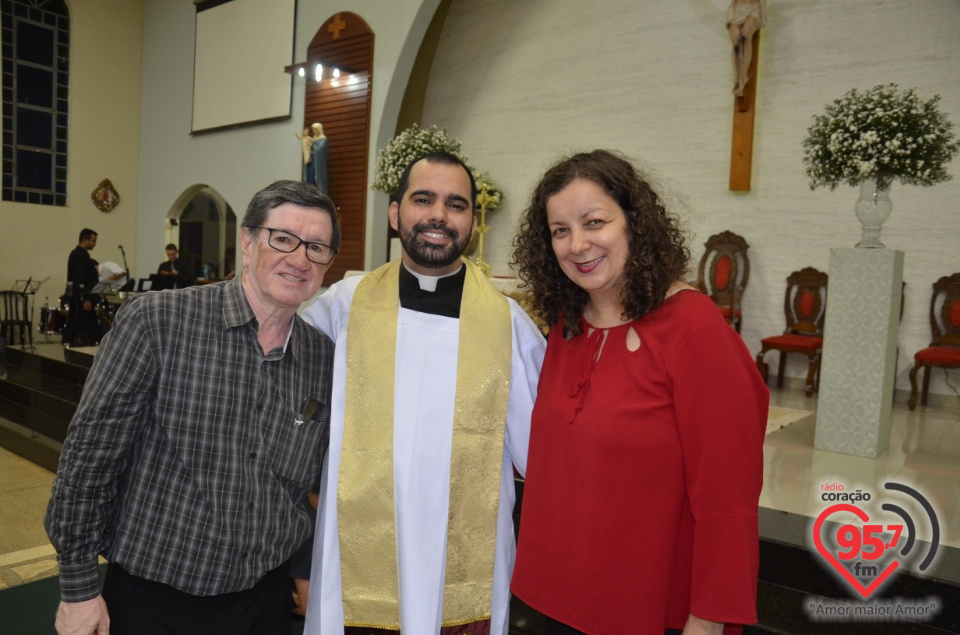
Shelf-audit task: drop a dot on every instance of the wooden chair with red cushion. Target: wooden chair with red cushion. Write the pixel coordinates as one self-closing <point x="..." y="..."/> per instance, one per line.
<point x="723" y="274"/>
<point x="805" y="305"/>
<point x="944" y="349"/>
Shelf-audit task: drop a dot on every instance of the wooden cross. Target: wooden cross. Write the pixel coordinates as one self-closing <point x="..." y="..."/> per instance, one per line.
<point x="336" y="26"/>
<point x="741" y="155"/>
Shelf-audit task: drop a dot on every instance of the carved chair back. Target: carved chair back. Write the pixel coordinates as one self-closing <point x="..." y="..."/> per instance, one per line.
<point x="805" y="303"/>
<point x="724" y="271"/>
<point x="945" y="311"/>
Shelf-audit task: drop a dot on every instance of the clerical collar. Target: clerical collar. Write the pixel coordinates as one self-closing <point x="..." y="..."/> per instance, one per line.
<point x="443" y="298"/>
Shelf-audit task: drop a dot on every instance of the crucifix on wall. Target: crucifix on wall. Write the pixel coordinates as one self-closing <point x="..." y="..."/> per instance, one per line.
<point x="744" y="20"/>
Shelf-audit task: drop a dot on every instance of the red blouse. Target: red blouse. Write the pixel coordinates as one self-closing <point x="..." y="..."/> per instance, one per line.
<point x="644" y="475"/>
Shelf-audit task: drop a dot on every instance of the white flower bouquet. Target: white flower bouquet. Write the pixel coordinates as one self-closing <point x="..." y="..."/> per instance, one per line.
<point x="405" y="147"/>
<point x="881" y="134"/>
<point x="415" y="142"/>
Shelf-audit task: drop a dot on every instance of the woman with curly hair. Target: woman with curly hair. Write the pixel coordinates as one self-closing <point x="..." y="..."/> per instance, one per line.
<point x="646" y="451"/>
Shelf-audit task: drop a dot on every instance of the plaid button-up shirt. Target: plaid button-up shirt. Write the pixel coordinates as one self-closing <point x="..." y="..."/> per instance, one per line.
<point x="186" y="462"/>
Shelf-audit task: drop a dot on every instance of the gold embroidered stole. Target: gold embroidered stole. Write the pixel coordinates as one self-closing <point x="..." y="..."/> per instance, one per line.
<point x="365" y="494"/>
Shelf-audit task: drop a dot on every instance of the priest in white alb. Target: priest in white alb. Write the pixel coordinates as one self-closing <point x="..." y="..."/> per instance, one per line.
<point x="435" y="378"/>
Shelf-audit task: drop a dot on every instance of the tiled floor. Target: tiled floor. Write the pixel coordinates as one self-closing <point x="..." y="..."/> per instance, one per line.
<point x="25" y="552"/>
<point x="924" y="453"/>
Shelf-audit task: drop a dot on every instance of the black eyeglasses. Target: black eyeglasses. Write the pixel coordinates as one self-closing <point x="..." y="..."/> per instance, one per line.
<point x="288" y="243"/>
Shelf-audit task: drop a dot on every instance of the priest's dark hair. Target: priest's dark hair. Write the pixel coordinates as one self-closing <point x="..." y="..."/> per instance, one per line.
<point x="296" y="192"/>
<point x="437" y="157"/>
<point x="657" y="256"/>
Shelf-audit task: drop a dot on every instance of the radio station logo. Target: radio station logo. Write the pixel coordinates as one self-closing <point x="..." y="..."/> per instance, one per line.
<point x="866" y="547"/>
<point x="861" y="546"/>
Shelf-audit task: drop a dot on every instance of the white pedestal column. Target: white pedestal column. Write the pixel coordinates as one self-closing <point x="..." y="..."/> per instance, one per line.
<point x="859" y="351"/>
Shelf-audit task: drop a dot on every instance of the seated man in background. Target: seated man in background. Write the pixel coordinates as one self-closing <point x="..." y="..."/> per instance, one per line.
<point x="173" y="266"/>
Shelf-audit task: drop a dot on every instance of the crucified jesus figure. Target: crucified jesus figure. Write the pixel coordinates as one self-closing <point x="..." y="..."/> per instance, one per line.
<point x="744" y="18"/>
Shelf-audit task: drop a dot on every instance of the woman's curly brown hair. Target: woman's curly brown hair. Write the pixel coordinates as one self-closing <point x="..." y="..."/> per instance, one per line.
<point x="658" y="256"/>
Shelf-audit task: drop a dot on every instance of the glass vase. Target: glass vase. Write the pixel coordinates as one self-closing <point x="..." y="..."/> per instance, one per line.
<point x="872" y="209"/>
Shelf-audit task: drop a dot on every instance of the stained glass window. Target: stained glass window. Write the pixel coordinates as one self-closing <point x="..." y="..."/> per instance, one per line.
<point x="36" y="55"/>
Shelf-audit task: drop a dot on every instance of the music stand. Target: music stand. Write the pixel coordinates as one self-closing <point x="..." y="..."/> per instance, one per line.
<point x="161" y="283"/>
<point x="27" y="286"/>
<point x="107" y="287"/>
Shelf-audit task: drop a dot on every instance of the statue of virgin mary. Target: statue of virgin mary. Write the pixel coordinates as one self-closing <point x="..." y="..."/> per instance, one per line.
<point x="317" y="168"/>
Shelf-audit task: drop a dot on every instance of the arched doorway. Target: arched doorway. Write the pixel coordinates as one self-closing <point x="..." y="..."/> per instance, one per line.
<point x="204" y="227"/>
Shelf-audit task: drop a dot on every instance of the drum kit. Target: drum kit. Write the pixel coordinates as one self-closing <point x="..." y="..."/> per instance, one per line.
<point x="53" y="319"/>
<point x="105" y="311"/>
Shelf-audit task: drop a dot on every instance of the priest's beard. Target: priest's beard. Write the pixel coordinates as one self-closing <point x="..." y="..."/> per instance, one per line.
<point x="427" y="254"/>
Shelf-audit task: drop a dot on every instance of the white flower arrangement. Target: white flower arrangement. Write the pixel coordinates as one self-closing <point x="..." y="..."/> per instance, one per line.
<point x="415" y="142"/>
<point x="879" y="134"/>
<point x="405" y="147"/>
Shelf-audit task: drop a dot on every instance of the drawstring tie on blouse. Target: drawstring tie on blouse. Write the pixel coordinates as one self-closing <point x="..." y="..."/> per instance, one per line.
<point x="588" y="359"/>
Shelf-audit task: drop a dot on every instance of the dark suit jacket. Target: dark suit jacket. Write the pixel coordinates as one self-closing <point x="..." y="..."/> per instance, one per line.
<point x="81" y="270"/>
<point x="184" y="278"/>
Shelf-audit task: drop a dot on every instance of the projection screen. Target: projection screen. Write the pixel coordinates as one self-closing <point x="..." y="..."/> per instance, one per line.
<point x="242" y="47"/>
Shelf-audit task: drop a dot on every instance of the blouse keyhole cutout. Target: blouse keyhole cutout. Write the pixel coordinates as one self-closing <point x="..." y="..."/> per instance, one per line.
<point x="633" y="340"/>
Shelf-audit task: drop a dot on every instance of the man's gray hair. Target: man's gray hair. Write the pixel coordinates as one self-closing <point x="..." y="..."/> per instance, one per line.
<point x="296" y="192"/>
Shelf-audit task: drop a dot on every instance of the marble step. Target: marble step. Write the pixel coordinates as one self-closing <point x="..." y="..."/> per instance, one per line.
<point x="29" y="444"/>
<point x="38" y="397"/>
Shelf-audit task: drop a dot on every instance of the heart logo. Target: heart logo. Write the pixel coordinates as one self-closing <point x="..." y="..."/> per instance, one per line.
<point x="865" y="591"/>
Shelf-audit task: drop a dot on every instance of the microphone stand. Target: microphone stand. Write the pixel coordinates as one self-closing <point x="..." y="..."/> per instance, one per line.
<point x="32" y="303"/>
<point x="126" y="269"/>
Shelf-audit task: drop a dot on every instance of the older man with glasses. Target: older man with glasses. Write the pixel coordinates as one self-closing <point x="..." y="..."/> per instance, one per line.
<point x="199" y="433"/>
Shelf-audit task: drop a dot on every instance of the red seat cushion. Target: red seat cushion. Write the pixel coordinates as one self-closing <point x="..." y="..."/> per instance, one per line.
<point x="939" y="356"/>
<point x="807" y="301"/>
<point x="725" y="312"/>
<point x="721" y="276"/>
<point x="806" y="342"/>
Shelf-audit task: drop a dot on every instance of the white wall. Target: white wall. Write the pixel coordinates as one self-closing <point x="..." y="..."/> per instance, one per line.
<point x="241" y="161"/>
<point x="522" y="83"/>
<point x="104" y="119"/>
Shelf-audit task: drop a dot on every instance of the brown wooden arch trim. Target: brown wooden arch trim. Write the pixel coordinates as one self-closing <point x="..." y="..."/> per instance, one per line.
<point x="344" y="41"/>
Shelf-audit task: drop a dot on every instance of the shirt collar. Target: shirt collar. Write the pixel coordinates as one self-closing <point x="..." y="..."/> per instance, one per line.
<point x="237" y="312"/>
<point x="448" y="283"/>
<point x="236" y="308"/>
<point x="444" y="301"/>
